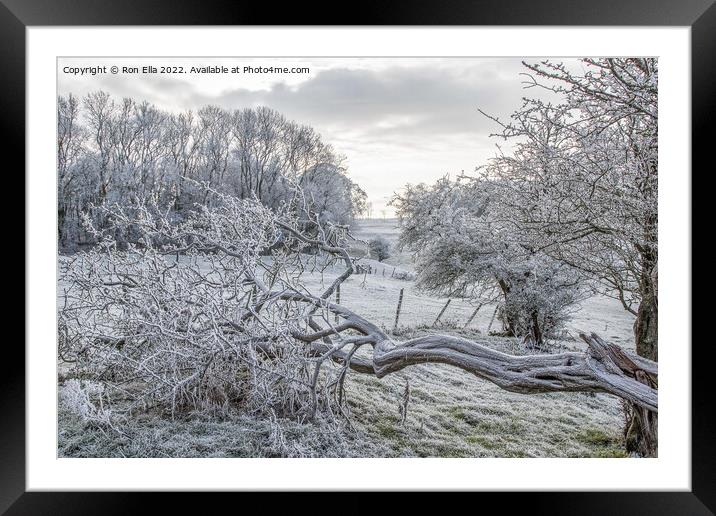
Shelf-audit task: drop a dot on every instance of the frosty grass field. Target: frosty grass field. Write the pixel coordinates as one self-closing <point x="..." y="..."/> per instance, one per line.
<point x="450" y="413"/>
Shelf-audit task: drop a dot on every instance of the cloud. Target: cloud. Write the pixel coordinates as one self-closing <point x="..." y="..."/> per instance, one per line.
<point x="400" y="102"/>
<point x="396" y="120"/>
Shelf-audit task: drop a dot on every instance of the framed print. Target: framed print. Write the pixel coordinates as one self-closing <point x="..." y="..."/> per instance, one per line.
<point x="439" y="249"/>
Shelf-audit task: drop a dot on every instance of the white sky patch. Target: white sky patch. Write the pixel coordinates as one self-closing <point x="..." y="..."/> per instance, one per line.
<point x="396" y="120"/>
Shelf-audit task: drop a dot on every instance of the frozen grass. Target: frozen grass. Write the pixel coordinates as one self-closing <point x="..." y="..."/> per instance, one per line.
<point x="450" y="413"/>
<point x="202" y="435"/>
<point x="454" y="414"/>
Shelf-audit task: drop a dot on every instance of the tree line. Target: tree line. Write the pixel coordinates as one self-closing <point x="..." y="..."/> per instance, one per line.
<point x="121" y="151"/>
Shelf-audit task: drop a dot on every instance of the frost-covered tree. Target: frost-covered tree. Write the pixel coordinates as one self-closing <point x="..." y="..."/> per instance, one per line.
<point x="182" y="147"/>
<point x="582" y="185"/>
<point x="582" y="179"/>
<point x="459" y="238"/>
<point x="214" y="135"/>
<point x="71" y="174"/>
<point x="379" y="248"/>
<point x="331" y="194"/>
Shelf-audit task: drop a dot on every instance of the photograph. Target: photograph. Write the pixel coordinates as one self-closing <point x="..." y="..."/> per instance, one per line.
<point x="349" y="257"/>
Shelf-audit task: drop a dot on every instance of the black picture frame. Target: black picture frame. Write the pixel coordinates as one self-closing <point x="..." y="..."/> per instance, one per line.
<point x="700" y="15"/>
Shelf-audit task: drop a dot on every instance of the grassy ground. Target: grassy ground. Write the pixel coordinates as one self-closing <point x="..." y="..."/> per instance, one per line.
<point x="454" y="414"/>
<point x="450" y="412"/>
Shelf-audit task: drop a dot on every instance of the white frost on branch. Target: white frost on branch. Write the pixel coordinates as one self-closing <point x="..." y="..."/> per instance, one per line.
<point x="211" y="312"/>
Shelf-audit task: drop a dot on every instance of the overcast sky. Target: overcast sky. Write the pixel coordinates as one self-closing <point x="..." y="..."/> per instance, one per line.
<point x="397" y="121"/>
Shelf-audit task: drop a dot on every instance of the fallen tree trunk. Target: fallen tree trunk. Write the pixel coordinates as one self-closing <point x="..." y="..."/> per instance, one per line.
<point x="590" y="371"/>
<point x="603" y="367"/>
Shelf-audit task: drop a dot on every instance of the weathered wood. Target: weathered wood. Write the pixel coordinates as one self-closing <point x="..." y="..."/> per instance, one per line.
<point x="473" y="315"/>
<point x="592" y="371"/>
<point x="397" y="311"/>
<point x="437" y="319"/>
<point x="492" y="319"/>
<point x="641" y="432"/>
<point x="569" y="371"/>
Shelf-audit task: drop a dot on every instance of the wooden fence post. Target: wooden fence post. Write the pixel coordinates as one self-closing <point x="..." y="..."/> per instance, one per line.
<point x="489" y="327"/>
<point x="397" y="312"/>
<point x="473" y="315"/>
<point x="442" y="312"/>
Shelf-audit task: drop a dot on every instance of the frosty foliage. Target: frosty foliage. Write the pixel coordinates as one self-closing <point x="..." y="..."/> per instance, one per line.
<point x="117" y="150"/>
<point x="582" y="182"/>
<point x="84" y="400"/>
<point x="463" y="247"/>
<point x="199" y="313"/>
<point x="379" y="248"/>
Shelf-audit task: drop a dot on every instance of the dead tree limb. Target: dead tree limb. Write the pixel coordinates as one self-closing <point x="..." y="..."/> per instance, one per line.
<point x="602" y="368"/>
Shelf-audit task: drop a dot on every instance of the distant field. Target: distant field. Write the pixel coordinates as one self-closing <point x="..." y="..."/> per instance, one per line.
<point x="365" y="229"/>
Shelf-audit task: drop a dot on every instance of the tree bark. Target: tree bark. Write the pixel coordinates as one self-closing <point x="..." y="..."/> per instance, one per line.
<point x="603" y="368"/>
<point x="646" y="328"/>
<point x="61" y="224"/>
<point x="508" y="319"/>
<point x="537" y="337"/>
<point x="641" y="433"/>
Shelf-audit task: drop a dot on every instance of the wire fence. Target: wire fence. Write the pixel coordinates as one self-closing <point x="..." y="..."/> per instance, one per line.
<point x="395" y="303"/>
<point x="387" y="295"/>
<point x="374" y="289"/>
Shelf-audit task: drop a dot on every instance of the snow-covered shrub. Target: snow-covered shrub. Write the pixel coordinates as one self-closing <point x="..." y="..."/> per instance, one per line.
<point x="84" y="399"/>
<point x="403" y="275"/>
<point x="200" y="314"/>
<point x="543" y="293"/>
<point x="379" y="248"/>
<point x="464" y="245"/>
